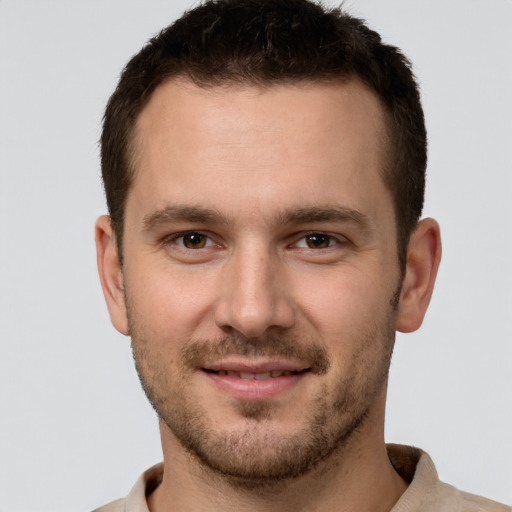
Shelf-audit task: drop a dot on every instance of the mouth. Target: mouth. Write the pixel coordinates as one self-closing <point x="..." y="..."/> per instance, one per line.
<point x="244" y="375"/>
<point x="255" y="381"/>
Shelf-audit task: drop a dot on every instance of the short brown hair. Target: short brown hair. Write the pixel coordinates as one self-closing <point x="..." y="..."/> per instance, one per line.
<point x="266" y="42"/>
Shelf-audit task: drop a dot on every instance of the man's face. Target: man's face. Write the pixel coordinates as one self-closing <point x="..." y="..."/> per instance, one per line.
<point x="260" y="271"/>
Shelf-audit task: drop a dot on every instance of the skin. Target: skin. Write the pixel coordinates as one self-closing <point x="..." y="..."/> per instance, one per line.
<point x="272" y="282"/>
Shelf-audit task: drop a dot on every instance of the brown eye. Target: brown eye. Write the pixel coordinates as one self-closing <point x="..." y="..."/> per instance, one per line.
<point x="318" y="241"/>
<point x="194" y="240"/>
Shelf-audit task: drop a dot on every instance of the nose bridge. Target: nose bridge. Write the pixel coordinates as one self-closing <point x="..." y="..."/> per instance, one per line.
<point x="253" y="297"/>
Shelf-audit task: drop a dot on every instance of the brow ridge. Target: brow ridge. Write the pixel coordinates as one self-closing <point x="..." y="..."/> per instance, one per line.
<point x="182" y="213"/>
<point x="323" y="214"/>
<point x="305" y="215"/>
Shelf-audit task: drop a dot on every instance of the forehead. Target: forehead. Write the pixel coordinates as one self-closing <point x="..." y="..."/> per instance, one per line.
<point x="179" y="101"/>
<point x="318" y="142"/>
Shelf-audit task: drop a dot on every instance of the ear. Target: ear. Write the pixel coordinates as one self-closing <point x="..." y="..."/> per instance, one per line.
<point x="111" y="275"/>
<point x="423" y="258"/>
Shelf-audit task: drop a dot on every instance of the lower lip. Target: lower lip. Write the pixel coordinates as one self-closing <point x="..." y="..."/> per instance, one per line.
<point x="254" y="389"/>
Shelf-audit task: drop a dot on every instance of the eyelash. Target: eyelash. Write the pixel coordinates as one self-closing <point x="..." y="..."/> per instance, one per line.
<point x="174" y="239"/>
<point x="330" y="239"/>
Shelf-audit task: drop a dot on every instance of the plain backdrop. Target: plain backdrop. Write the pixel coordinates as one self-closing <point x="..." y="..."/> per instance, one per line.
<point x="75" y="428"/>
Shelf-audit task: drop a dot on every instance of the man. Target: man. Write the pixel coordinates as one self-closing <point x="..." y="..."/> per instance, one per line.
<point x="264" y="167"/>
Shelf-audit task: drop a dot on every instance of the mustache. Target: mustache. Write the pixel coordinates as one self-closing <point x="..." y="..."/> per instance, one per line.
<point x="198" y="352"/>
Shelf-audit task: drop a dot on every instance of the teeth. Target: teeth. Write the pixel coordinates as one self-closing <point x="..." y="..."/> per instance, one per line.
<point x="257" y="376"/>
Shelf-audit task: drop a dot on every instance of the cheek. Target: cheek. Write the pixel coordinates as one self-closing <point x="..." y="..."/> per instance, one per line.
<point x="354" y="321"/>
<point x="345" y="303"/>
<point x="168" y="301"/>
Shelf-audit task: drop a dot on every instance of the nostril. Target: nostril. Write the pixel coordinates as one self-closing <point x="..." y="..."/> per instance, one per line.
<point x="253" y="306"/>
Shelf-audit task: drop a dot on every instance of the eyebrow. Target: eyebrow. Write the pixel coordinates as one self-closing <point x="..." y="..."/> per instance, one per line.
<point x="325" y="214"/>
<point x="307" y="215"/>
<point x="182" y="213"/>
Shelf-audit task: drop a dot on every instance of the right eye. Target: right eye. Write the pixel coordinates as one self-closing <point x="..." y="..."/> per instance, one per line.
<point x="193" y="240"/>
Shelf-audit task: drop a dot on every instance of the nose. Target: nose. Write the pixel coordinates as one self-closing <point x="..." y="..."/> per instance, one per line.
<point x="254" y="296"/>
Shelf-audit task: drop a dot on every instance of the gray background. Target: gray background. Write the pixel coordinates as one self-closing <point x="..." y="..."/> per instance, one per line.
<point x="75" y="428"/>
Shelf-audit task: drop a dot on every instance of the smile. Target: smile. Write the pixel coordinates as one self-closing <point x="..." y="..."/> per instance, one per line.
<point x="256" y="376"/>
<point x="243" y="382"/>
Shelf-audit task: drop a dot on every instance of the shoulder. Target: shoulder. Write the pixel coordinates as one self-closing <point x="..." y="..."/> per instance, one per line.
<point x="451" y="499"/>
<point x="136" y="499"/>
<point x="426" y="493"/>
<point x="114" y="506"/>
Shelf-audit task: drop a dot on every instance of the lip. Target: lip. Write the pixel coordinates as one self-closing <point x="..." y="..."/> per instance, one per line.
<point x="256" y="365"/>
<point x="229" y="382"/>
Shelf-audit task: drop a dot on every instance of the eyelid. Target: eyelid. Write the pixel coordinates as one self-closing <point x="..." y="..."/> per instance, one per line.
<point x="337" y="238"/>
<point x="175" y="237"/>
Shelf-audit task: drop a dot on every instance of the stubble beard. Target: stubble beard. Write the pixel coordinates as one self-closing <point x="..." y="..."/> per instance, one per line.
<point x="257" y="454"/>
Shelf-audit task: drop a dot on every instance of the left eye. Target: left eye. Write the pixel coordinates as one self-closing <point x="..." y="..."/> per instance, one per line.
<point x="193" y="240"/>
<point x="316" y="241"/>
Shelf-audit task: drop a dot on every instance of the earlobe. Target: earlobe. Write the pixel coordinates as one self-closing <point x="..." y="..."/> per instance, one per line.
<point x="423" y="258"/>
<point x="110" y="272"/>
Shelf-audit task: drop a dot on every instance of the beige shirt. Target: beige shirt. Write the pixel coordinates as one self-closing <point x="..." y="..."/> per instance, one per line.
<point x="426" y="493"/>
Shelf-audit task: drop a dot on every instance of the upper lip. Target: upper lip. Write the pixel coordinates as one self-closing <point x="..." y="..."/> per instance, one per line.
<point x="255" y="366"/>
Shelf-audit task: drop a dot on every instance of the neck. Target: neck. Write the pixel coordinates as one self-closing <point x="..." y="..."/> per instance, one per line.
<point x="359" y="477"/>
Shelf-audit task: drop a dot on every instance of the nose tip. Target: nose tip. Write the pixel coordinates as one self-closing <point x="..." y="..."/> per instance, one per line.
<point x="253" y="319"/>
<point x="254" y="299"/>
